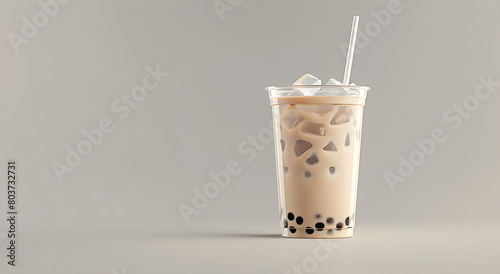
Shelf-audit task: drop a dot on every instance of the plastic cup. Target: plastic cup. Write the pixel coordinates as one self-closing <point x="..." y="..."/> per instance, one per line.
<point x="317" y="144"/>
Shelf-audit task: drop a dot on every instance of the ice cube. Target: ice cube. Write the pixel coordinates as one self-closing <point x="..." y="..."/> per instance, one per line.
<point x="330" y="147"/>
<point x="343" y="115"/>
<point x="317" y="110"/>
<point x="314" y="129"/>
<point x="312" y="160"/>
<point x="302" y="146"/>
<point x="291" y="119"/>
<point x="333" y="81"/>
<point x="319" y="93"/>
<point x="308" y="79"/>
<point x="334" y="91"/>
<point x="353" y="91"/>
<point x="295" y="93"/>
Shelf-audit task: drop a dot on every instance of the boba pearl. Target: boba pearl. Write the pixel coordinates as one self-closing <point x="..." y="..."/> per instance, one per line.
<point x="299" y="220"/>
<point x="319" y="225"/>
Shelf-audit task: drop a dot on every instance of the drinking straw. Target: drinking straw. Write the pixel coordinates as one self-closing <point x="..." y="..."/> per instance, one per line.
<point x="350" y="50"/>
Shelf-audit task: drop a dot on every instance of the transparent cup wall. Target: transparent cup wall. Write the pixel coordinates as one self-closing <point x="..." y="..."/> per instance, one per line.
<point x="317" y="145"/>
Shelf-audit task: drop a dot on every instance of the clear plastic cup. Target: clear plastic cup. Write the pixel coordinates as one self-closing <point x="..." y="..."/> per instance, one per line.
<point x="317" y="144"/>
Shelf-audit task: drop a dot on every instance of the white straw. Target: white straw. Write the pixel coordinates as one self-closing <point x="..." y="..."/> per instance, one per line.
<point x="350" y="51"/>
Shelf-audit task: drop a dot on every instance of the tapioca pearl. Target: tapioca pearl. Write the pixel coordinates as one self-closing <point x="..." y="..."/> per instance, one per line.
<point x="319" y="229"/>
<point x="331" y="169"/>
<point x="285" y="223"/>
<point x="329" y="231"/>
<point x="319" y="225"/>
<point x="282" y="145"/>
<point x="340" y="226"/>
<point x="299" y="220"/>
<point x="309" y="230"/>
<point x="347" y="221"/>
<point x="329" y="220"/>
<point x="307" y="174"/>
<point x="290" y="216"/>
<point x="317" y="216"/>
<point x="292" y="229"/>
<point x="285" y="169"/>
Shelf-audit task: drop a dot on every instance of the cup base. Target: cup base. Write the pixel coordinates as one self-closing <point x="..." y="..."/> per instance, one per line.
<point x="318" y="234"/>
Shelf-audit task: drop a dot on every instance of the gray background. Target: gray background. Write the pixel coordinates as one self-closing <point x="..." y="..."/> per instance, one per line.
<point x="117" y="212"/>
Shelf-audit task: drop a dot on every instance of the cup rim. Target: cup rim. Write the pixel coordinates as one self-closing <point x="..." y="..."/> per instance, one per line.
<point x="269" y="88"/>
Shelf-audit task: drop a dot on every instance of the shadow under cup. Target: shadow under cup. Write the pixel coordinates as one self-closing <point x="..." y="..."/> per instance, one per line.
<point x="317" y="132"/>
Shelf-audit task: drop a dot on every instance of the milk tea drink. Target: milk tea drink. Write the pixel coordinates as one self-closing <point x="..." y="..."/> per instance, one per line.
<point x="317" y="141"/>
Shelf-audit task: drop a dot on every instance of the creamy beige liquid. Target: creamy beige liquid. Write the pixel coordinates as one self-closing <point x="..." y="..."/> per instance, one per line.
<point x="317" y="152"/>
